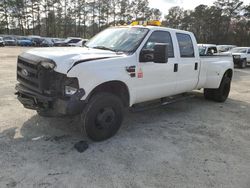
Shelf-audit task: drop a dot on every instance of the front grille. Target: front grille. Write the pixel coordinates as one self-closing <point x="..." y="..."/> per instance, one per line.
<point x="27" y="74"/>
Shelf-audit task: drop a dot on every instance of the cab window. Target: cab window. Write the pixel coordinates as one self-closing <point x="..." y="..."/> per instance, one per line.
<point x="160" y="37"/>
<point x="185" y="45"/>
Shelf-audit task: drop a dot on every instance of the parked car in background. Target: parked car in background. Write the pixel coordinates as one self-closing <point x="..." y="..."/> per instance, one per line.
<point x="207" y="49"/>
<point x="36" y="40"/>
<point x="69" y="41"/>
<point x="241" y="56"/>
<point x="81" y="43"/>
<point x="2" y="43"/>
<point x="24" y="41"/>
<point x="10" y="41"/>
<point x="225" y="48"/>
<point x="59" y="41"/>
<point x="47" y="42"/>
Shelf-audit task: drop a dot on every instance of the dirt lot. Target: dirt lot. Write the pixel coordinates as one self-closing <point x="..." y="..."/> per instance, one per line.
<point x="193" y="143"/>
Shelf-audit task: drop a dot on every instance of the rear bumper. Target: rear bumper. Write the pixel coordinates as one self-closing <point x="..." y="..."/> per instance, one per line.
<point x="59" y="106"/>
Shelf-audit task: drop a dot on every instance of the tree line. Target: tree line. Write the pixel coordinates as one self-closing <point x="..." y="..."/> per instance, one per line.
<point x="225" y="22"/>
<point x="62" y="18"/>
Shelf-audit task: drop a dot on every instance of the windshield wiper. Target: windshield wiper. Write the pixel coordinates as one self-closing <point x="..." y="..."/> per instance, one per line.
<point x="104" y="48"/>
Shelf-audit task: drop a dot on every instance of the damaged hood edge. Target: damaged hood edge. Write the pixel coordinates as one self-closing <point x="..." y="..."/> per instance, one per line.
<point x="68" y="57"/>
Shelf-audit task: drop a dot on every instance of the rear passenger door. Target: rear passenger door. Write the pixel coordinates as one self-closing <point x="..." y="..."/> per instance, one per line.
<point x="188" y="65"/>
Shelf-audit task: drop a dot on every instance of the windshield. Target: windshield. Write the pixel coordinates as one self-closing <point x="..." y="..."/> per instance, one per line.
<point x="120" y="39"/>
<point x="239" y="50"/>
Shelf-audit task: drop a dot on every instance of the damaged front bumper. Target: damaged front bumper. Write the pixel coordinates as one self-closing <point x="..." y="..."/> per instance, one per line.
<point x="72" y="105"/>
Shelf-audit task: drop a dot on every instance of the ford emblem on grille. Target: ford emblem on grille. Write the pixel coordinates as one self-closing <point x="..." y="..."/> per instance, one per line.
<point x="25" y="72"/>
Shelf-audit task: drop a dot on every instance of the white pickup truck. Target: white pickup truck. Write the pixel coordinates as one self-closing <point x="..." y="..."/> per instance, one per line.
<point x="241" y="56"/>
<point x="119" y="68"/>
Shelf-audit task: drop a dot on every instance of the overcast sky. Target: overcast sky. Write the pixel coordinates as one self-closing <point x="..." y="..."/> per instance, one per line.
<point x="164" y="5"/>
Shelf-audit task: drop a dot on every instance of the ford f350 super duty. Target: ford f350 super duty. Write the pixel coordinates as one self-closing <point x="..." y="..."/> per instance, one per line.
<point x="120" y="67"/>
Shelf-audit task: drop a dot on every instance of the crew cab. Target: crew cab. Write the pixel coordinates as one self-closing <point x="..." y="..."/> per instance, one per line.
<point x="241" y="56"/>
<point x="119" y="68"/>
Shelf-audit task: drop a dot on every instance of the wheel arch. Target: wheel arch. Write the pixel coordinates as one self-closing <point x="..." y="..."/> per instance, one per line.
<point x="115" y="87"/>
<point x="228" y="73"/>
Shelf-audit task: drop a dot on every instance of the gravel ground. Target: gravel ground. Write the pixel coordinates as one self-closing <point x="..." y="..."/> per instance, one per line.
<point x="192" y="143"/>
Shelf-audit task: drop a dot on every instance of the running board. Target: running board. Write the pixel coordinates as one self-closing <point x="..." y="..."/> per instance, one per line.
<point x="160" y="102"/>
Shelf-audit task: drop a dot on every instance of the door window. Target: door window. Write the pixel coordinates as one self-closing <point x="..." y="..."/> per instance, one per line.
<point x="185" y="45"/>
<point x="160" y="37"/>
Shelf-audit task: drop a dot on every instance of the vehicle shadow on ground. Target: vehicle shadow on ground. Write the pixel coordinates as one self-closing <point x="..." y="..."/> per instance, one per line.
<point x="178" y="112"/>
<point x="165" y="118"/>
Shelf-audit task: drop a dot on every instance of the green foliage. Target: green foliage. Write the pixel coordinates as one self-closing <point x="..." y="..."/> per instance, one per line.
<point x="62" y="18"/>
<point x="226" y="22"/>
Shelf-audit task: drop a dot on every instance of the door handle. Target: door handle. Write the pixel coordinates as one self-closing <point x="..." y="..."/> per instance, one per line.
<point x="196" y="66"/>
<point x="176" y="67"/>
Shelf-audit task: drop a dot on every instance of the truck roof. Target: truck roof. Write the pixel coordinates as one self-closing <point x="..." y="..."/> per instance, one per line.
<point x="154" y="28"/>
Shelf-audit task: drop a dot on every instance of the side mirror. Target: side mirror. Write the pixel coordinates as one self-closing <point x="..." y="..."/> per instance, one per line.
<point x="158" y="55"/>
<point x="146" y="55"/>
<point x="161" y="53"/>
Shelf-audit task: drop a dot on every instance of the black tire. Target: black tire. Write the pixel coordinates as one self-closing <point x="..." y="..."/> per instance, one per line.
<point x="102" y="116"/>
<point x="243" y="64"/>
<point x="209" y="94"/>
<point x="220" y="94"/>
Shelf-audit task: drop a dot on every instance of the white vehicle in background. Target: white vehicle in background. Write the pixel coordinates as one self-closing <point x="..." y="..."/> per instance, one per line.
<point x="81" y="43"/>
<point x="241" y="56"/>
<point x="225" y="48"/>
<point x="121" y="67"/>
<point x="207" y="49"/>
<point x="2" y="43"/>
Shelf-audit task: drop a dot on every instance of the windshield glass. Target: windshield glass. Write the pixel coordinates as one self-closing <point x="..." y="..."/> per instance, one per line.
<point x="120" y="39"/>
<point x="239" y="50"/>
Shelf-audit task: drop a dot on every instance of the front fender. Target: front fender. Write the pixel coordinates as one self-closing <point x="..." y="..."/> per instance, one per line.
<point x="90" y="75"/>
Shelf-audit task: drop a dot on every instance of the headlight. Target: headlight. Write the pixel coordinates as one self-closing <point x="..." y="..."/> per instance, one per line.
<point x="48" y="65"/>
<point x="237" y="56"/>
<point x="70" y="90"/>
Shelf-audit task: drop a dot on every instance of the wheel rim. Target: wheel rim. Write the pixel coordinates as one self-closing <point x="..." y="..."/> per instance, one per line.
<point x="105" y="118"/>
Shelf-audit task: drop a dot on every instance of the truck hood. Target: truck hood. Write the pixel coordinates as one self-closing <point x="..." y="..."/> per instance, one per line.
<point x="66" y="57"/>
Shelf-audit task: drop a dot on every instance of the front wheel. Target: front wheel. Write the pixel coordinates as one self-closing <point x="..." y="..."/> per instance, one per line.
<point x="102" y="116"/>
<point x="220" y="94"/>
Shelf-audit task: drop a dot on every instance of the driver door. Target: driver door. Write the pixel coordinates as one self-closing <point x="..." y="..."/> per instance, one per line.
<point x="156" y="80"/>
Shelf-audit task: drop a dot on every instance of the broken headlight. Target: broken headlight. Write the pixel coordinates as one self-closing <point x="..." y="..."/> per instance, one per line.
<point x="71" y="86"/>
